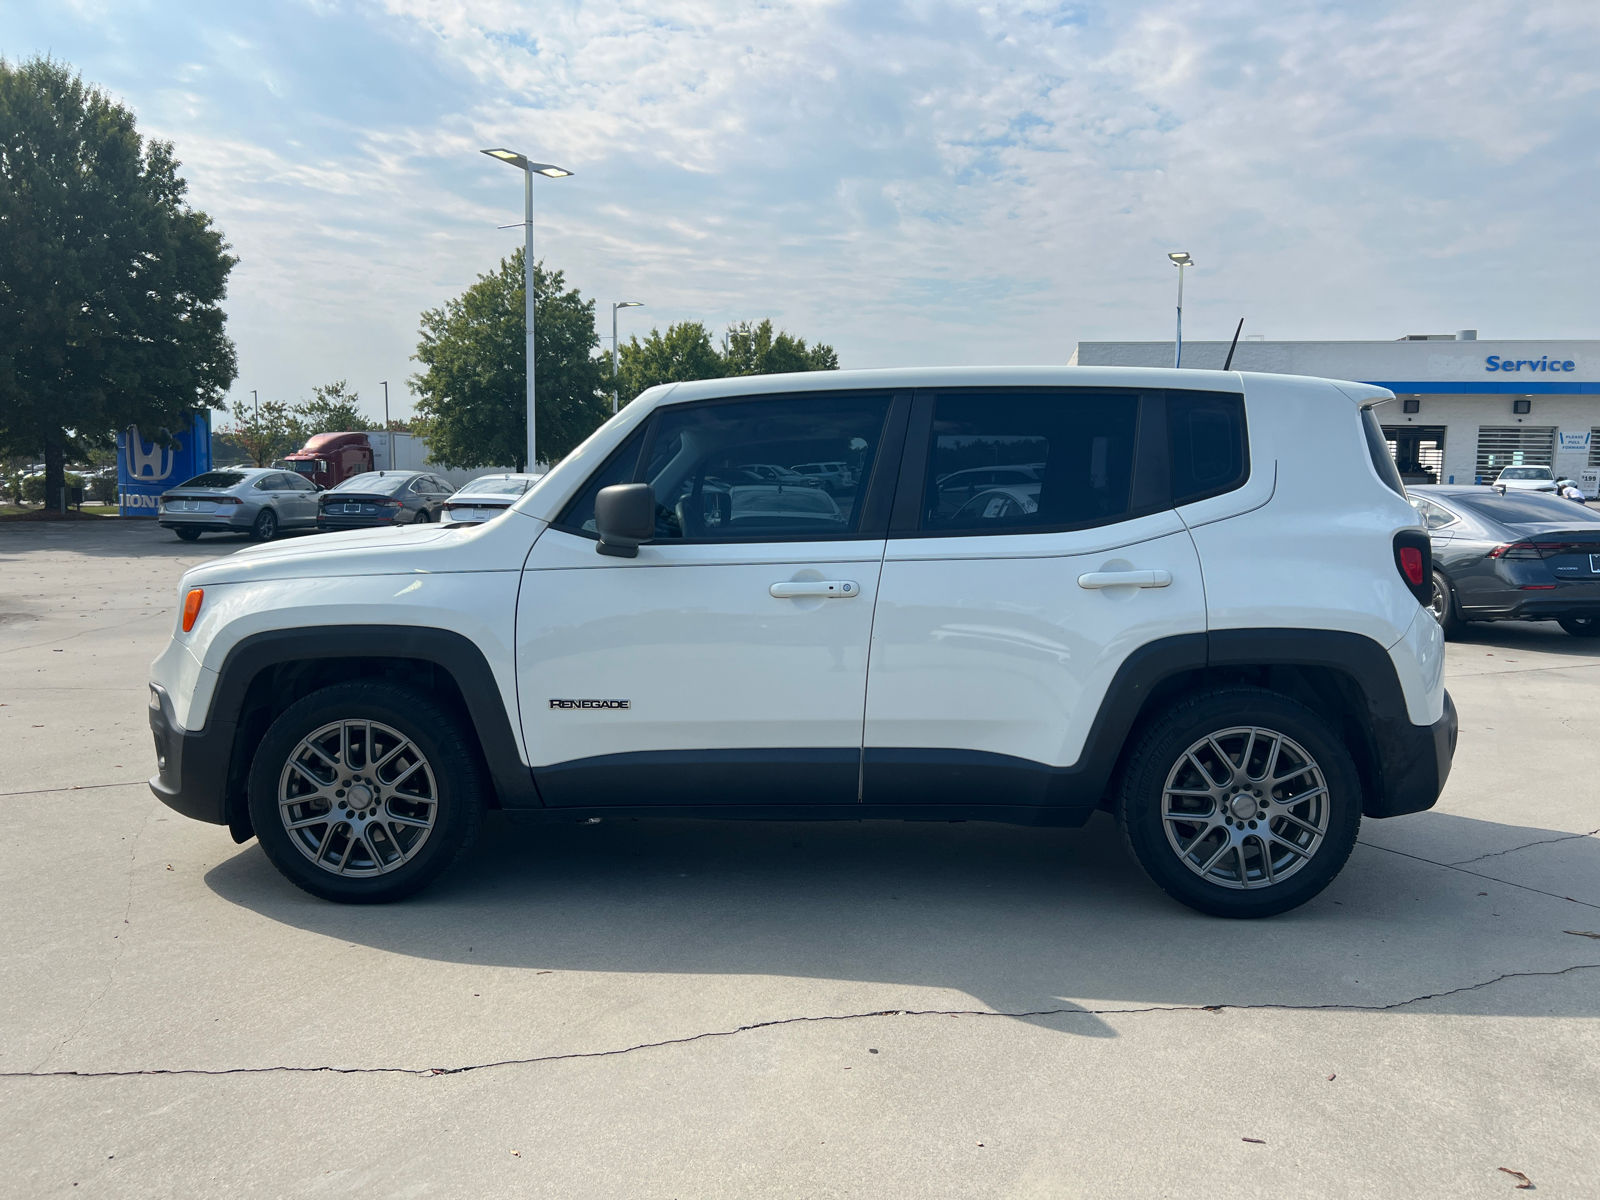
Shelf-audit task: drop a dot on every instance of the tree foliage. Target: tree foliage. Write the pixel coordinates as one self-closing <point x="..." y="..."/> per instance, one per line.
<point x="111" y="286"/>
<point x="265" y="431"/>
<point x="687" y="352"/>
<point x="333" y="408"/>
<point x="472" y="391"/>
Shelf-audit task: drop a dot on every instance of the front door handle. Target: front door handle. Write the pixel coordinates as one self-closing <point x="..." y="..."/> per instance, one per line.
<point x="1145" y="579"/>
<point x="841" y="589"/>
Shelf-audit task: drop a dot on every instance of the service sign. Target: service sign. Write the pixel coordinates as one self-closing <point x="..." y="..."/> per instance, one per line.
<point x="146" y="468"/>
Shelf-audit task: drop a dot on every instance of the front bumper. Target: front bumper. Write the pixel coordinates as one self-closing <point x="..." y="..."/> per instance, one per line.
<point x="191" y="767"/>
<point x="1413" y="763"/>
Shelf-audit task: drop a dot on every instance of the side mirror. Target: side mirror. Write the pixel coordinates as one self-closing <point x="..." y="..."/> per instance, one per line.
<point x="624" y="516"/>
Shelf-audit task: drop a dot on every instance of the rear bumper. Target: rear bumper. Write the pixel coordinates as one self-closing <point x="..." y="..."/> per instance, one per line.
<point x="229" y="521"/>
<point x="1413" y="763"/>
<point x="1534" y="606"/>
<point x="343" y="522"/>
<point x="191" y="767"/>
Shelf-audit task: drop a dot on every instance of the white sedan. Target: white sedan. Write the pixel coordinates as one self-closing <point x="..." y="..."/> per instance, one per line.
<point x="1527" y="479"/>
<point x="485" y="498"/>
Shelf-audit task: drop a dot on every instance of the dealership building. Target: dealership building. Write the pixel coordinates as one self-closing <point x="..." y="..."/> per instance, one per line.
<point x="1464" y="407"/>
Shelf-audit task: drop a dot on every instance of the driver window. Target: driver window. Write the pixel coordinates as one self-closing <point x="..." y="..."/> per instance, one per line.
<point x="725" y="471"/>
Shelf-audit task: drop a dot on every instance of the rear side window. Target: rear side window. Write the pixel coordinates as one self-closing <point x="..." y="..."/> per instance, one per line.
<point x="1023" y="461"/>
<point x="1378" y="448"/>
<point x="1210" y="454"/>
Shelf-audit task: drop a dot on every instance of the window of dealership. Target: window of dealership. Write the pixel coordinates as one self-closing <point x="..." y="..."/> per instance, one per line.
<point x="1464" y="407"/>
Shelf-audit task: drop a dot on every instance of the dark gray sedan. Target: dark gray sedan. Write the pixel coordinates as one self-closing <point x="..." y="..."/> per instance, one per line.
<point x="255" y="500"/>
<point x="383" y="498"/>
<point x="1517" y="556"/>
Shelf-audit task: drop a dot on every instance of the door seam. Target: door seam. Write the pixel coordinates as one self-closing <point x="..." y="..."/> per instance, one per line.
<point x="872" y="632"/>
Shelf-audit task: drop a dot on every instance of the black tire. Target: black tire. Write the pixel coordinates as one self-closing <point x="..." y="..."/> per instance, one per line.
<point x="187" y="535"/>
<point x="1161" y="752"/>
<point x="1443" y="606"/>
<point x="1583" y="627"/>
<point x="452" y="794"/>
<point x="266" y="526"/>
<point x="421" y="518"/>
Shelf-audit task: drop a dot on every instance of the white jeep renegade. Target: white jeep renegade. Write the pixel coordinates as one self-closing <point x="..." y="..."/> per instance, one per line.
<point x="1191" y="598"/>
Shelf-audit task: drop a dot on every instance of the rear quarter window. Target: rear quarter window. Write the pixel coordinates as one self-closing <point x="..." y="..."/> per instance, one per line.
<point x="1209" y="448"/>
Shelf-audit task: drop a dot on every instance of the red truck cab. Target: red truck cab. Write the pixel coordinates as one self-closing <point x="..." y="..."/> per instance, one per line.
<point x="330" y="458"/>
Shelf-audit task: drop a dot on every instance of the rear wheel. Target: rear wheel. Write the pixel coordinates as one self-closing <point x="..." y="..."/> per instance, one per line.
<point x="421" y="518"/>
<point x="266" y="526"/>
<point x="1240" y="802"/>
<point x="365" y="792"/>
<point x="1443" y="605"/>
<point x="187" y="535"/>
<point x="1584" y="627"/>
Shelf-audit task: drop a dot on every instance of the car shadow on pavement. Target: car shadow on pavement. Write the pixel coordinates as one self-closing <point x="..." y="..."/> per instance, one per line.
<point x="1016" y="918"/>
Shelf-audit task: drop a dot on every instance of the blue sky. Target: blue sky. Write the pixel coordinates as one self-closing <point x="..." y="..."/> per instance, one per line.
<point x="913" y="182"/>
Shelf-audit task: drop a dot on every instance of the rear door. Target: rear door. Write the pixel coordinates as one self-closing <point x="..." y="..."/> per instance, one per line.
<point x="999" y="629"/>
<point x="726" y="664"/>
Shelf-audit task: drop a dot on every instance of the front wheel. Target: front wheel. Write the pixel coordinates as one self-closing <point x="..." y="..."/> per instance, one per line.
<point x="1584" y="627"/>
<point x="365" y="792"/>
<point x="1240" y="802"/>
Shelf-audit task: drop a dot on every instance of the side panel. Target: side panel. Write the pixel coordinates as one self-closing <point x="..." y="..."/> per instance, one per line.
<point x="987" y="649"/>
<point x="1318" y="554"/>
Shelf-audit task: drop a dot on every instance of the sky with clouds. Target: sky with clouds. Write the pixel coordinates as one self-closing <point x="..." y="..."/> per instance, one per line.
<point x="914" y="183"/>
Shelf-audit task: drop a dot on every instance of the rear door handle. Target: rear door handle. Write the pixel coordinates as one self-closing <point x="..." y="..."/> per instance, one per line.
<point x="841" y="589"/>
<point x="1144" y="579"/>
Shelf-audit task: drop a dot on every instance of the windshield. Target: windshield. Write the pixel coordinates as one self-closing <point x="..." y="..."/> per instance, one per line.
<point x="374" y="481"/>
<point x="1526" y="473"/>
<point x="1529" y="509"/>
<point x="496" y="487"/>
<point x="215" y="479"/>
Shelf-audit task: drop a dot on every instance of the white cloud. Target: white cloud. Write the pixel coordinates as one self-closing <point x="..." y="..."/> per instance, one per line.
<point x="918" y="182"/>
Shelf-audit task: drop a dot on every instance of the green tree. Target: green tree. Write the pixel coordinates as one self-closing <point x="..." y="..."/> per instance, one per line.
<point x="263" y="432"/>
<point x="685" y="352"/>
<point x="111" y="286"/>
<point x="333" y="408"/>
<point x="472" y="391"/>
<point x="758" y="350"/>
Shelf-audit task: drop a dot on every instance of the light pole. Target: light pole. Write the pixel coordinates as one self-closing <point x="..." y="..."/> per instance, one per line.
<point x="1180" y="259"/>
<point x="616" y="304"/>
<point x="529" y="170"/>
<point x="386" y="427"/>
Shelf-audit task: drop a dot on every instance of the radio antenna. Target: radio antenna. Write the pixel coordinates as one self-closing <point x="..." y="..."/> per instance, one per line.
<point x="1228" y="366"/>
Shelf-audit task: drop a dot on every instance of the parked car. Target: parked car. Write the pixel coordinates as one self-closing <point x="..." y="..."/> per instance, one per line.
<point x="1003" y="505"/>
<point x="383" y="498"/>
<point x="1511" y="556"/>
<point x="1211" y="624"/>
<point x="772" y="473"/>
<point x="835" y="477"/>
<point x="958" y="487"/>
<point x="1526" y="479"/>
<point x="485" y="498"/>
<point x="255" y="500"/>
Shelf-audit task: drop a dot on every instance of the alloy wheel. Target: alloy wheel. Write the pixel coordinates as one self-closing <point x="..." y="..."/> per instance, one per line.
<point x="1245" y="807"/>
<point x="1439" y="603"/>
<point x="358" y="798"/>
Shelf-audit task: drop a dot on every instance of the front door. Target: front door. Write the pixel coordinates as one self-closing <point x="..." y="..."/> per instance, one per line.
<point x="1005" y="610"/>
<point x="726" y="664"/>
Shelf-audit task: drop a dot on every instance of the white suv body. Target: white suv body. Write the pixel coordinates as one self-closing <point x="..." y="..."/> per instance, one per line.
<point x="1203" y="547"/>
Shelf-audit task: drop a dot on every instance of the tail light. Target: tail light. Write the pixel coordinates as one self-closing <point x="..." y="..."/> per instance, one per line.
<point x="191" y="607"/>
<point x="1516" y="551"/>
<point x="1533" y="550"/>
<point x="1413" y="558"/>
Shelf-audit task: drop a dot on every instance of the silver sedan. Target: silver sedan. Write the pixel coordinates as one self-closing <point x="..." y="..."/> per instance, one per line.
<point x="259" y="501"/>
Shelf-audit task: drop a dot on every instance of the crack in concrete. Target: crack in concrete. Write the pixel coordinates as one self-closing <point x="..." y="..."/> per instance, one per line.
<point x="75" y="787"/>
<point x="428" y="1072"/>
<point x="1566" y="837"/>
<point x="1476" y="874"/>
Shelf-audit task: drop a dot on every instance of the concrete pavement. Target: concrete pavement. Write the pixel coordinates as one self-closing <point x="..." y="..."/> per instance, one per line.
<point x="696" y="1009"/>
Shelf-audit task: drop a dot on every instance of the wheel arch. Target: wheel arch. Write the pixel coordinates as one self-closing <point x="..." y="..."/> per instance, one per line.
<point x="1346" y="678"/>
<point x="265" y="673"/>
